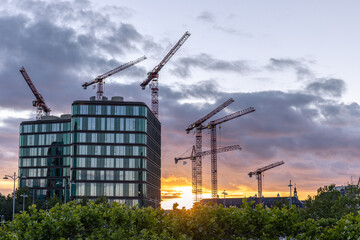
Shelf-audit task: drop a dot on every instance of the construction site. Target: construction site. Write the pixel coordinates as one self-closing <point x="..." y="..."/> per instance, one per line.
<point x="112" y="147"/>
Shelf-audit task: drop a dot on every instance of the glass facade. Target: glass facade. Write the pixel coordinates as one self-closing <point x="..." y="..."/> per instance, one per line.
<point x="110" y="148"/>
<point x="44" y="157"/>
<point x="115" y="152"/>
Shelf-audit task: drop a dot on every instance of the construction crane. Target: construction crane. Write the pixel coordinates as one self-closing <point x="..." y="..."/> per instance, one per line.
<point x="153" y="76"/>
<point x="206" y="153"/>
<point x="99" y="79"/>
<point x="196" y="165"/>
<point x="213" y="143"/>
<point x="39" y="103"/>
<point x="259" y="176"/>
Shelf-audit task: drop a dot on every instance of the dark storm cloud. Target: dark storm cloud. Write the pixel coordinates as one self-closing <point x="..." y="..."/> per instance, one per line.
<point x="288" y="125"/>
<point x="206" y="17"/>
<point x="207" y="62"/>
<point x="62" y="45"/>
<point x="328" y="87"/>
<point x="300" y="67"/>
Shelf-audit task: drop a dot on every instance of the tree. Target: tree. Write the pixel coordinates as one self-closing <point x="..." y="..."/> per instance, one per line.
<point x="331" y="203"/>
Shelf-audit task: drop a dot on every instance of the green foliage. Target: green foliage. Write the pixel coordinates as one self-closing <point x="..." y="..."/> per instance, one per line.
<point x="329" y="203"/>
<point x="90" y="220"/>
<point x="102" y="200"/>
<point x="84" y="201"/>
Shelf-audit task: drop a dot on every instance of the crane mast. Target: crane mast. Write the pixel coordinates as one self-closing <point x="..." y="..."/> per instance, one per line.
<point x="154" y="75"/>
<point x="99" y="79"/>
<point x="258" y="173"/>
<point x="213" y="143"/>
<point x="196" y="164"/>
<point x="206" y="153"/>
<point x="40" y="101"/>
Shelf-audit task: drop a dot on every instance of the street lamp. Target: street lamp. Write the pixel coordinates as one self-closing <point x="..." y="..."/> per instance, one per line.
<point x="14" y="177"/>
<point x="24" y="196"/>
<point x="65" y="187"/>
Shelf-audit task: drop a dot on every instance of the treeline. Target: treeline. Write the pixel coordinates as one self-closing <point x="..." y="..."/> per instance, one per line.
<point x="328" y="215"/>
<point x="6" y="203"/>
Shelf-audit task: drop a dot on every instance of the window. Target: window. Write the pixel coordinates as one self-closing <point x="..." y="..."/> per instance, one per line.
<point x="129" y="175"/>
<point x="119" y="138"/>
<point x="130" y="124"/>
<point x="91" y="175"/>
<point x="81" y="162"/>
<point x="91" y="123"/>
<point x="92" y="189"/>
<point x="131" y="138"/>
<point x="93" y="137"/>
<point x="109" y="175"/>
<point x="119" y="163"/>
<point x="132" y="190"/>
<point x="136" y="111"/>
<point x="120" y="110"/>
<point x="109" y="189"/>
<point x="109" y="162"/>
<point x="131" y="163"/>
<point x="80" y="189"/>
<point x="109" y="138"/>
<point x="93" y="162"/>
<point x="83" y="109"/>
<point x="110" y="124"/>
<point x="119" y="189"/>
<point x="98" y="110"/>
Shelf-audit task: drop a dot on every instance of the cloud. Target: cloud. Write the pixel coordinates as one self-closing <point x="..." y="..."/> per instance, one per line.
<point x="299" y="65"/>
<point x="63" y="51"/>
<point x="327" y="87"/>
<point x="208" y="63"/>
<point x="63" y="44"/>
<point x="206" y="17"/>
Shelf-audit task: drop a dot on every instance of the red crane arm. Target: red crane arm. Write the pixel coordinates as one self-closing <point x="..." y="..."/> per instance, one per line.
<point x="212" y="113"/>
<point x="111" y="72"/>
<point x="40" y="101"/>
<point x="157" y="68"/>
<point x="263" y="169"/>
<point x="229" y="117"/>
<point x="206" y="153"/>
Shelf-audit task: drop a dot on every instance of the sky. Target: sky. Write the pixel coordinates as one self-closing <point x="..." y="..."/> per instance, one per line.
<point x="296" y="63"/>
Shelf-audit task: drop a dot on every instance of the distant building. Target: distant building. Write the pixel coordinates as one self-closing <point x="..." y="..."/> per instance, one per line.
<point x="107" y="147"/>
<point x="266" y="201"/>
<point x="344" y="189"/>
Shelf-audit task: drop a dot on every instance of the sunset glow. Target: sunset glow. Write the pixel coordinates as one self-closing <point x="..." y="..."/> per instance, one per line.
<point x="295" y="63"/>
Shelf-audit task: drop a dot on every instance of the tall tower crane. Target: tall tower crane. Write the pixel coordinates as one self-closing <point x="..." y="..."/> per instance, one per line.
<point x="196" y="165"/>
<point x="206" y="153"/>
<point x="99" y="79"/>
<point x="40" y="101"/>
<point x="258" y="173"/>
<point x="153" y="76"/>
<point x="213" y="143"/>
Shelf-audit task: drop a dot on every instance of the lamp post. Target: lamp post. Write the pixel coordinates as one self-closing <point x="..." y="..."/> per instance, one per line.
<point x="24" y="196"/>
<point x="290" y="199"/>
<point x="65" y="187"/>
<point x="13" y="177"/>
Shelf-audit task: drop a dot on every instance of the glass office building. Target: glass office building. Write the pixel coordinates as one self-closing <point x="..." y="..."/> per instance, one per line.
<point x="114" y="150"/>
<point x="44" y="156"/>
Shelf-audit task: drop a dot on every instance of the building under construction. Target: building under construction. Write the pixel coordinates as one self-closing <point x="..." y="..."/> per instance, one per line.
<point x="104" y="147"/>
